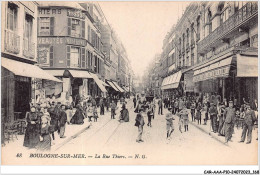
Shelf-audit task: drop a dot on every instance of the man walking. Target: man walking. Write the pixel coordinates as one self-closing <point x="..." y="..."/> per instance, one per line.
<point x="62" y="121"/>
<point x="248" y="125"/>
<point x="229" y="121"/>
<point x="160" y="104"/>
<point x="113" y="109"/>
<point x="213" y="117"/>
<point x="140" y="124"/>
<point x="134" y="100"/>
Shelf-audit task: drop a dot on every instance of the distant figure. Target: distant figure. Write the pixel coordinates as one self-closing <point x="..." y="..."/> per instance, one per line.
<point x="124" y="114"/>
<point x="184" y="113"/>
<point x="160" y="104"/>
<point x="134" y="100"/>
<point x="169" y="124"/>
<point x="78" y="117"/>
<point x="113" y="109"/>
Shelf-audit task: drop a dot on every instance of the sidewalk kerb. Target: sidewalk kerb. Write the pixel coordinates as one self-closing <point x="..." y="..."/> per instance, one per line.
<point x="73" y="136"/>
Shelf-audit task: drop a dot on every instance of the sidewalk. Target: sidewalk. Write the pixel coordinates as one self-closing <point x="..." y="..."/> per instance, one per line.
<point x="235" y="137"/>
<point x="71" y="132"/>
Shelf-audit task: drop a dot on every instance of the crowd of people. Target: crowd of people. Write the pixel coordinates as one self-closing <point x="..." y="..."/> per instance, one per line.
<point x="50" y="116"/>
<point x="223" y="116"/>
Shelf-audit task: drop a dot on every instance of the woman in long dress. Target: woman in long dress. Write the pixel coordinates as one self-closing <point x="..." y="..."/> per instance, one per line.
<point x="31" y="137"/>
<point x="78" y="117"/>
<point x="45" y="138"/>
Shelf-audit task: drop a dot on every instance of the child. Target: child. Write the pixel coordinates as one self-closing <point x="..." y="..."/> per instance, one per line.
<point x="184" y="115"/>
<point x="90" y="112"/>
<point x="169" y="124"/>
<point x="45" y="138"/>
<point x="95" y="114"/>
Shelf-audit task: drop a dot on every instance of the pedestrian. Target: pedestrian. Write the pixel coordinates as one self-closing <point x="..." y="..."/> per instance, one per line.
<point x="102" y="106"/>
<point x="124" y="114"/>
<point x="95" y="114"/>
<point x="134" y="100"/>
<point x="184" y="114"/>
<point x="108" y="102"/>
<point x="248" y="124"/>
<point x="149" y="115"/>
<point x="62" y="121"/>
<point x="31" y="137"/>
<point x="198" y="113"/>
<point x="213" y="117"/>
<point x="221" y="118"/>
<point x="176" y="106"/>
<point x="78" y="117"/>
<point x="113" y="109"/>
<point x="229" y="115"/>
<point x="139" y="122"/>
<point x="90" y="112"/>
<point x="180" y="123"/>
<point x="193" y="106"/>
<point x="44" y="143"/>
<point x="169" y="124"/>
<point x="160" y="106"/>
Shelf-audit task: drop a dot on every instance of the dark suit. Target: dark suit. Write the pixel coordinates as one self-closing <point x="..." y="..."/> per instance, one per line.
<point x="62" y="121"/>
<point x="248" y="125"/>
<point x="229" y="122"/>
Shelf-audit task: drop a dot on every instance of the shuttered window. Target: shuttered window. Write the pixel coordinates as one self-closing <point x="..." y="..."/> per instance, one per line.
<point x="88" y="33"/>
<point x="83" y="58"/>
<point x="69" y="26"/>
<point x="83" y="29"/>
<point x="51" y="56"/>
<point x="68" y="56"/>
<point x="51" y="26"/>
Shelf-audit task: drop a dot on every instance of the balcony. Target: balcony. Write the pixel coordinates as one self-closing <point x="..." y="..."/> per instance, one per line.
<point x="29" y="48"/>
<point x="248" y="11"/>
<point x="12" y="42"/>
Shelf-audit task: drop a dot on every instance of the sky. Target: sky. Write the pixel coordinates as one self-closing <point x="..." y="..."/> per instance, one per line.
<point x="142" y="26"/>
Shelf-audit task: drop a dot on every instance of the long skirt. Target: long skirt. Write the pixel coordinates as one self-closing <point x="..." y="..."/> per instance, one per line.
<point x="32" y="136"/>
<point x="45" y="145"/>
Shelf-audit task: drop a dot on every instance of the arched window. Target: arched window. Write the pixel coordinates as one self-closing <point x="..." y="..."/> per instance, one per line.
<point x="209" y="15"/>
<point x="198" y="28"/>
<point x="188" y="32"/>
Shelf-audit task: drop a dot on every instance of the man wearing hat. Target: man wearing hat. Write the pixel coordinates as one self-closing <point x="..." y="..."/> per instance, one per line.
<point x="140" y="124"/>
<point x="248" y="124"/>
<point x="62" y="121"/>
<point x="213" y="117"/>
<point x="229" y="116"/>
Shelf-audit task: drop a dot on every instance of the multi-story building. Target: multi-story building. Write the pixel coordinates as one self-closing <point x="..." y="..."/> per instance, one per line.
<point x="69" y="47"/>
<point x="18" y="56"/>
<point x="216" y="49"/>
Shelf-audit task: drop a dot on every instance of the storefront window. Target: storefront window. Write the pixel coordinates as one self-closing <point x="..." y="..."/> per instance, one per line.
<point x="74" y="57"/>
<point x="28" y="32"/>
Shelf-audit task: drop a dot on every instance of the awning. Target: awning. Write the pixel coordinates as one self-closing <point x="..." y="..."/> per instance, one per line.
<point x="247" y="66"/>
<point x="27" y="70"/>
<point x="172" y="81"/>
<point x="112" y="85"/>
<point x="118" y="87"/>
<point x="80" y="74"/>
<point x="98" y="82"/>
<point x="214" y="70"/>
<point x="56" y="73"/>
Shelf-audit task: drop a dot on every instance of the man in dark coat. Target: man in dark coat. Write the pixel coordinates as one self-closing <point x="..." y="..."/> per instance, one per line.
<point x="248" y="125"/>
<point x="134" y="100"/>
<point x="229" y="121"/>
<point x="62" y="121"/>
<point x="213" y="117"/>
<point x="160" y="104"/>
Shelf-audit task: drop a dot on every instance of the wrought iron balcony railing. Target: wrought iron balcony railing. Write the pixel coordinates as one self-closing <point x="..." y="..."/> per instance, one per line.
<point x="248" y="10"/>
<point x="12" y="42"/>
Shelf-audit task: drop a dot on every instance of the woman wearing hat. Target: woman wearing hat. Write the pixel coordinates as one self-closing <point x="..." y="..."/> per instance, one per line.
<point x="31" y="137"/>
<point x="124" y="114"/>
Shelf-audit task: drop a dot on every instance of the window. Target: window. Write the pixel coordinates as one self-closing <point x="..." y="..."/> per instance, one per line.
<point x="198" y="28"/>
<point x="28" y="32"/>
<point x="74" y="57"/>
<point x="44" y="26"/>
<point x="192" y="57"/>
<point x="183" y="42"/>
<point x="11" y="17"/>
<point x="75" y="28"/>
<point x="192" y="33"/>
<point x="254" y="41"/>
<point x="224" y="16"/>
<point x="209" y="21"/>
<point x="188" y="36"/>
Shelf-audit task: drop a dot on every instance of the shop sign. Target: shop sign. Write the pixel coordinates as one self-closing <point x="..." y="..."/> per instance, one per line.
<point x="62" y="40"/>
<point x="212" y="74"/>
<point x="76" y="14"/>
<point x="48" y="11"/>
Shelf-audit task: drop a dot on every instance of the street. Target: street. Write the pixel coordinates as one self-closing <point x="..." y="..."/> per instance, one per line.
<point x="110" y="138"/>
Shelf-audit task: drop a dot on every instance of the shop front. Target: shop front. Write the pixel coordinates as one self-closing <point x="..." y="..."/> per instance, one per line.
<point x="17" y="81"/>
<point x="171" y="85"/>
<point x="231" y="78"/>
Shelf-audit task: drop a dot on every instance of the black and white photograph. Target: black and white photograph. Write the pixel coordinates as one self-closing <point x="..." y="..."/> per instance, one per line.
<point x="129" y="83"/>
